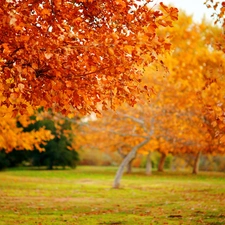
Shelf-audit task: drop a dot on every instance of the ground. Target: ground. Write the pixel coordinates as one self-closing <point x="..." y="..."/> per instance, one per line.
<point x="84" y="196"/>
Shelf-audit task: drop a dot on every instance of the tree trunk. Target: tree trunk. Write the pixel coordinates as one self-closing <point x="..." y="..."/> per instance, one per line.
<point x="196" y="163"/>
<point x="148" y="164"/>
<point x="125" y="162"/>
<point x="162" y="162"/>
<point x="129" y="166"/>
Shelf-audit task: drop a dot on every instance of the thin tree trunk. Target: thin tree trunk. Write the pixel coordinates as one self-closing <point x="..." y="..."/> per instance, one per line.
<point x="127" y="159"/>
<point x="129" y="166"/>
<point x="148" y="164"/>
<point x="162" y="162"/>
<point x="196" y="163"/>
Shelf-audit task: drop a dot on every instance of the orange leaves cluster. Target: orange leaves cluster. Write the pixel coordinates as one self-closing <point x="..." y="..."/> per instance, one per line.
<point x="171" y="15"/>
<point x="219" y="8"/>
<point x="80" y="59"/>
<point x="13" y="137"/>
<point x="213" y="91"/>
<point x="197" y="66"/>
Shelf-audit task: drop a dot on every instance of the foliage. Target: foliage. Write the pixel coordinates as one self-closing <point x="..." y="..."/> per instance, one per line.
<point x="200" y="77"/>
<point x="17" y="158"/>
<point x="13" y="137"/>
<point x="86" y="59"/>
<point x="219" y="8"/>
<point x="55" y="152"/>
<point x="215" y="109"/>
<point x="58" y="151"/>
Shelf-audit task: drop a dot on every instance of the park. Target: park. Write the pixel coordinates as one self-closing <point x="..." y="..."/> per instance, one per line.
<point x="113" y="113"/>
<point x="85" y="196"/>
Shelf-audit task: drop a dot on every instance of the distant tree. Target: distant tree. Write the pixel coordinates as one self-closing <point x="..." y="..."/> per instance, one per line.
<point x="174" y="118"/>
<point x="58" y="151"/>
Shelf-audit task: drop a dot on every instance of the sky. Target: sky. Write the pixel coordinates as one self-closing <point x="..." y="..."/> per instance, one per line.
<point x="192" y="7"/>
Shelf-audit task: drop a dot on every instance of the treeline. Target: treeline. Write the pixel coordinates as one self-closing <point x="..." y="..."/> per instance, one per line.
<point x="177" y="162"/>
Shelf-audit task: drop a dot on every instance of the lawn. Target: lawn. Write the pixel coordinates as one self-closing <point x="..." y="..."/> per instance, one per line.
<point x="84" y="196"/>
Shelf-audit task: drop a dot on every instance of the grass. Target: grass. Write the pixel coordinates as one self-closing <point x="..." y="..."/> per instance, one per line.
<point x="84" y="196"/>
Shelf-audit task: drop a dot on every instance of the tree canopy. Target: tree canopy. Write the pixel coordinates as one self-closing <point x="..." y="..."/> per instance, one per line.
<point x="73" y="54"/>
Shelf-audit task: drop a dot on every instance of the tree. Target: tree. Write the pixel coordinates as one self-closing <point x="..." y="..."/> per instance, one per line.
<point x="215" y="109"/>
<point x="14" y="137"/>
<point x="174" y="118"/>
<point x="86" y="59"/>
<point x="130" y="128"/>
<point x="16" y="158"/>
<point x="48" y="136"/>
<point x="58" y="151"/>
<point x="201" y="57"/>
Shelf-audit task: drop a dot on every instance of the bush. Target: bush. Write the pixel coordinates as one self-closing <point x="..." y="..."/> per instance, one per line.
<point x="58" y="151"/>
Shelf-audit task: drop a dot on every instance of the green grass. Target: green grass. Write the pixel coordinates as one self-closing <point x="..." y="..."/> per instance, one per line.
<point x="84" y="196"/>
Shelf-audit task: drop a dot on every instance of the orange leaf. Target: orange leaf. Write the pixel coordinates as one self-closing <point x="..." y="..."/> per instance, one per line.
<point x="222" y="139"/>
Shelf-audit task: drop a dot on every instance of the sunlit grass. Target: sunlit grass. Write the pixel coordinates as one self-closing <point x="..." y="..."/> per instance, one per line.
<point x="85" y="196"/>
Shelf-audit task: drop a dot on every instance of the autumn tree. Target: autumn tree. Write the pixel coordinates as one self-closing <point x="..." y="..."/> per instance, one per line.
<point x="14" y="137"/>
<point x="174" y="117"/>
<point x="215" y="109"/>
<point x="129" y="129"/>
<point x="197" y="67"/>
<point x="86" y="59"/>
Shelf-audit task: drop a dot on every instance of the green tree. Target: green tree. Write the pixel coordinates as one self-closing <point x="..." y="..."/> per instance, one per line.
<point x="58" y="151"/>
